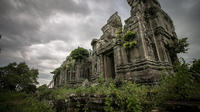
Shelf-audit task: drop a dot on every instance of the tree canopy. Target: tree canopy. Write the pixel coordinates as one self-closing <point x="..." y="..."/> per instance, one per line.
<point x="181" y="46"/>
<point x="18" y="77"/>
<point x="79" y="53"/>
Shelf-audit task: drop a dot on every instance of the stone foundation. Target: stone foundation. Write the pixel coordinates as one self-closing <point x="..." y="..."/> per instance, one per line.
<point x="81" y="103"/>
<point x="96" y="103"/>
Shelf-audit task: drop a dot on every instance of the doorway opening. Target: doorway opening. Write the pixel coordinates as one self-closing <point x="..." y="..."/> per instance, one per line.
<point x="109" y="65"/>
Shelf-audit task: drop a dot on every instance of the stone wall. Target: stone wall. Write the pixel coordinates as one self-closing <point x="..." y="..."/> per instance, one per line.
<point x="96" y="103"/>
<point x="73" y="72"/>
<point x="81" y="103"/>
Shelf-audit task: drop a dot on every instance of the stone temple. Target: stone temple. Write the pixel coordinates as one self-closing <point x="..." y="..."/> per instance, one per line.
<point x="143" y="63"/>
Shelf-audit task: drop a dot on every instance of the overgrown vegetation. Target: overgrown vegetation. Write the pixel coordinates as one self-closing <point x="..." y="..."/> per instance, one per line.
<point x="180" y="46"/>
<point x="129" y="41"/>
<point x="18" y="89"/>
<point x="18" y="77"/>
<point x="18" y="92"/>
<point x="129" y="45"/>
<point x="12" y="101"/>
<point x="129" y="36"/>
<point x="183" y="85"/>
<point x="79" y="53"/>
<point x="56" y="71"/>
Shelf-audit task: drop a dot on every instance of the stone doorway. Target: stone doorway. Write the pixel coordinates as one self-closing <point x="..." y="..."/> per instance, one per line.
<point x="109" y="66"/>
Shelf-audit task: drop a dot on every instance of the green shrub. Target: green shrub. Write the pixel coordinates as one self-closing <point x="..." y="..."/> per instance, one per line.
<point x="133" y="43"/>
<point x="126" y="45"/>
<point x="129" y="45"/>
<point x="129" y="36"/>
<point x="131" y="97"/>
<point x="22" y="102"/>
<point x="180" y="86"/>
<point x="128" y="40"/>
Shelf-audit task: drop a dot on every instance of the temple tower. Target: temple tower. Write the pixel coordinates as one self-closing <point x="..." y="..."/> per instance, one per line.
<point x="155" y="34"/>
<point x="144" y="63"/>
<point x="104" y="58"/>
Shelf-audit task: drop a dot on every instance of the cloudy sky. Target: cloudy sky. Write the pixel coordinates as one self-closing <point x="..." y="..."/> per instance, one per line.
<point x="43" y="32"/>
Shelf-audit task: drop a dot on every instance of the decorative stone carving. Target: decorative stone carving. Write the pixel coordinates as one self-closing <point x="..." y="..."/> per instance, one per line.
<point x="144" y="63"/>
<point x="150" y="48"/>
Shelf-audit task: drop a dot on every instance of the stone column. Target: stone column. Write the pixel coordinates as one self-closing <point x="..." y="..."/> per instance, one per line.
<point x="155" y="42"/>
<point x="117" y="58"/>
<point x="117" y="55"/>
<point x="101" y="65"/>
<point x="141" y="34"/>
<point x="124" y="56"/>
<point x="105" y="67"/>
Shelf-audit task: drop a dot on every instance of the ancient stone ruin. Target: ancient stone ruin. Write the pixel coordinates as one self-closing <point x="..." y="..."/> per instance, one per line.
<point x="154" y="35"/>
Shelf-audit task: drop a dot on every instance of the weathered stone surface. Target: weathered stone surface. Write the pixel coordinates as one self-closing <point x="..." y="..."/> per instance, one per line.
<point x="155" y="34"/>
<point x="85" y="83"/>
<point x="81" y="103"/>
<point x="73" y="72"/>
<point x="96" y="103"/>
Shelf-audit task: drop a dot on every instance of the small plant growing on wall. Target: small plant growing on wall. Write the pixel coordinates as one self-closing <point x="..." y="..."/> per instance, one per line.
<point x="129" y="41"/>
<point x="129" y="36"/>
<point x="129" y="45"/>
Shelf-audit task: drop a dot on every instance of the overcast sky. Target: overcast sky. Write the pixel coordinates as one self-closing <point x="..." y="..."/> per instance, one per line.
<point x="43" y="32"/>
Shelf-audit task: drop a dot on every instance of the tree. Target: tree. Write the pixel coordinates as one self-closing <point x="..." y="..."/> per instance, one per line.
<point x="182" y="85"/>
<point x="18" y="77"/>
<point x="180" y="46"/>
<point x="195" y="69"/>
<point x="80" y="53"/>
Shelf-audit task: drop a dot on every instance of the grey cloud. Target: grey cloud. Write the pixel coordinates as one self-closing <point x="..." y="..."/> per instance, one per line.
<point x="23" y="17"/>
<point x="44" y="76"/>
